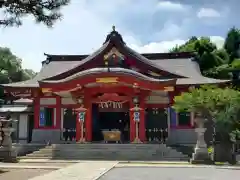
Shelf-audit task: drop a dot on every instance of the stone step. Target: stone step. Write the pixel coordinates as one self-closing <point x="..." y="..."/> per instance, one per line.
<point x="126" y="158"/>
<point x="112" y="157"/>
<point x="108" y="152"/>
<point x="92" y="154"/>
<point x="105" y="146"/>
<point x="97" y="150"/>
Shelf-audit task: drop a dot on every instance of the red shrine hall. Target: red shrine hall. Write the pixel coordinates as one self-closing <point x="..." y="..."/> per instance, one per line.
<point x="114" y="95"/>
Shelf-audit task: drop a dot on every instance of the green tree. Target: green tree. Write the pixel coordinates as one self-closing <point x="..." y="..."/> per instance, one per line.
<point x="28" y="74"/>
<point x="207" y="54"/>
<point x="9" y="64"/>
<point x="220" y="72"/>
<point x="11" y="68"/>
<point x="232" y="43"/>
<point x="218" y="105"/>
<point x="44" y="11"/>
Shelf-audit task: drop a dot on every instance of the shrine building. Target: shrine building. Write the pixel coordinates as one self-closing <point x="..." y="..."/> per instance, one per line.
<point x="114" y="95"/>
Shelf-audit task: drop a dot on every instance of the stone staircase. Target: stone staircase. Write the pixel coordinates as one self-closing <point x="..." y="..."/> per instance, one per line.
<point x="24" y="149"/>
<point x="121" y="152"/>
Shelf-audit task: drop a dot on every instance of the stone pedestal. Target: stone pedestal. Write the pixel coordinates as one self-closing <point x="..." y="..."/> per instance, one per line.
<point x="7" y="152"/>
<point x="8" y="155"/>
<point x="200" y="154"/>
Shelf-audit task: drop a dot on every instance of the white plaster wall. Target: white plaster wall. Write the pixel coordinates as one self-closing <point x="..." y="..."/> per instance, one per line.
<point x="23" y="126"/>
<point x="48" y="101"/>
<point x="55" y="116"/>
<point x="158" y="97"/>
<point x="67" y="101"/>
<point x="15" y="125"/>
<point x="62" y="118"/>
<point x="157" y="100"/>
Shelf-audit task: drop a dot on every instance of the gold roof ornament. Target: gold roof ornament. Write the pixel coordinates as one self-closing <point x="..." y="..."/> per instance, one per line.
<point x="46" y="90"/>
<point x="114" y="52"/>
<point x="107" y="80"/>
<point x="169" y="88"/>
<point x="154" y="74"/>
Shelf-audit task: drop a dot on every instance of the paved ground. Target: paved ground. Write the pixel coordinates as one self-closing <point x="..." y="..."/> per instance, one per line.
<point x="22" y="174"/>
<point x="25" y="171"/>
<point x="80" y="171"/>
<point x="171" y="173"/>
<point x="47" y="166"/>
<point x="36" y="164"/>
<point x="91" y="170"/>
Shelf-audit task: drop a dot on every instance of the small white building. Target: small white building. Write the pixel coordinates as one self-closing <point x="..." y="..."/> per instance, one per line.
<point x="22" y="111"/>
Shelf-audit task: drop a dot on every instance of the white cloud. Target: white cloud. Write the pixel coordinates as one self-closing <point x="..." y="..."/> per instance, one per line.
<point x="170" y="31"/>
<point x="82" y="31"/>
<point x="170" y="6"/>
<point x="218" y="40"/>
<point x="208" y="13"/>
<point x="157" y="47"/>
<point x="79" y="32"/>
<point x="165" y="46"/>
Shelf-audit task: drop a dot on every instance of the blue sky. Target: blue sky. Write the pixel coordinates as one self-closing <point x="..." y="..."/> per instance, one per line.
<point x="146" y="26"/>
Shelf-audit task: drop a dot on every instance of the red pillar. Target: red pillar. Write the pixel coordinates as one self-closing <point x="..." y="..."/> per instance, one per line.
<point x="142" y="133"/>
<point x="132" y="123"/>
<point x="36" y="112"/>
<point x="88" y="121"/>
<point x="78" y="127"/>
<point x="58" y="112"/>
<point x="171" y="96"/>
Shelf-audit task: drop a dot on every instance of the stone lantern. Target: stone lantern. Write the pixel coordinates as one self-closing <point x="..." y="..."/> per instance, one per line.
<point x="200" y="154"/>
<point x="7" y="152"/>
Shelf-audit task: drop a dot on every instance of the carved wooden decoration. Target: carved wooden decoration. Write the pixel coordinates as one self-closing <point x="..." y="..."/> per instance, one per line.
<point x="154" y="74"/>
<point x="114" y="57"/>
<point x="114" y="52"/>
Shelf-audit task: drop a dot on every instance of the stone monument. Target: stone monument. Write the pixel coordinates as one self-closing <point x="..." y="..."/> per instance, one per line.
<point x="200" y="154"/>
<point x="7" y="152"/>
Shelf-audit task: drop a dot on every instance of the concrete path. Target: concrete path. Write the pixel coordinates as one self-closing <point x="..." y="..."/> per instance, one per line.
<point x="79" y="171"/>
<point x="120" y="165"/>
<point x="47" y="161"/>
<point x="49" y="166"/>
<point x="170" y="173"/>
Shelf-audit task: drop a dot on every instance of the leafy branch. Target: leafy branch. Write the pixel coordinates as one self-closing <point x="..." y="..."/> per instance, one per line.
<point x="44" y="11"/>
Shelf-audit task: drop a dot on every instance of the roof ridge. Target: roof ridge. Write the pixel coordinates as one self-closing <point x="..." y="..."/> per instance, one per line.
<point x="150" y="56"/>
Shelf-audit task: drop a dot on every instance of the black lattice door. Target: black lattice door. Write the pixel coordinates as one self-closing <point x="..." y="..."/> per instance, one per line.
<point x="156" y="125"/>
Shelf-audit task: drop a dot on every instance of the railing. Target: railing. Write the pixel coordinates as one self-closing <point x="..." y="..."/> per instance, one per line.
<point x="69" y="134"/>
<point x="156" y="135"/>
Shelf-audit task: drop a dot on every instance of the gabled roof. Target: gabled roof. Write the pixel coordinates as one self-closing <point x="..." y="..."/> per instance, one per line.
<point x="58" y="67"/>
<point x="113" y="40"/>
<point x="149" y="56"/>
<point x="186" y="67"/>
<point x="104" y="70"/>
